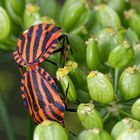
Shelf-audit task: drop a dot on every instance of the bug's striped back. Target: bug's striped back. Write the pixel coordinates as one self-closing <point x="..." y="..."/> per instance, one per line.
<point x="42" y="97"/>
<point x="38" y="42"/>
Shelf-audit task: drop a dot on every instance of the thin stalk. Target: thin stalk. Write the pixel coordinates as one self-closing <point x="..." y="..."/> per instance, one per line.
<point x="116" y="81"/>
<point x="118" y="117"/>
<point x="106" y="117"/>
<point x="31" y="129"/>
<point x="4" y="116"/>
<point x="125" y="113"/>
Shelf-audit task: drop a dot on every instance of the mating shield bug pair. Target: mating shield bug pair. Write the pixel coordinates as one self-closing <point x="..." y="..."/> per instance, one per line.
<point x="38" y="89"/>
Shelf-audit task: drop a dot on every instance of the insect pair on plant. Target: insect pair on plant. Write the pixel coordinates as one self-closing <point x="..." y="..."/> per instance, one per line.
<point x="38" y="89"/>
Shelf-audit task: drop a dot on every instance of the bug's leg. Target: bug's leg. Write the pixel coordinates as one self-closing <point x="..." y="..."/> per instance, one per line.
<point x="64" y="49"/>
<point x="66" y="102"/>
<point x="71" y="109"/>
<point x="52" y="62"/>
<point x="58" y="50"/>
<point x="71" y="132"/>
<point x="66" y="99"/>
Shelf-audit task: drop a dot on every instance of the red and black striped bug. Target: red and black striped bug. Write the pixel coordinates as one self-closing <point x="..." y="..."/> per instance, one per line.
<point x="38" y="89"/>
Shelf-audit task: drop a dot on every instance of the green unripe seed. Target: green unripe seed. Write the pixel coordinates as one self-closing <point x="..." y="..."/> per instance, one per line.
<point x="129" y="134"/>
<point x="136" y="60"/>
<point x="18" y="9"/>
<point x="131" y="37"/>
<point x="124" y="124"/>
<point x="107" y="40"/>
<point x="135" y="110"/>
<point x="87" y="113"/>
<point x="48" y="7"/>
<point x="77" y="75"/>
<point x="94" y="134"/>
<point x="74" y="13"/>
<point x="100" y="88"/>
<point x="107" y="17"/>
<point x="117" y="5"/>
<point x="31" y="15"/>
<point x="129" y="83"/>
<point x="78" y="48"/>
<point x="4" y="24"/>
<point x="133" y="18"/>
<point x="92" y="55"/>
<point x="66" y="84"/>
<point x="50" y="130"/>
<point x="15" y="17"/>
<point x="121" y="55"/>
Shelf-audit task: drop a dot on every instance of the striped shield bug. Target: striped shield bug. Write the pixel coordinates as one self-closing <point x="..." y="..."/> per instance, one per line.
<point x="38" y="89"/>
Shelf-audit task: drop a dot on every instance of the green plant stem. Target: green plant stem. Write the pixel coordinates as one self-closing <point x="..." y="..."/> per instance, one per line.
<point x="116" y="81"/>
<point x="4" y="116"/>
<point x="125" y="113"/>
<point x="106" y="117"/>
<point x="118" y="117"/>
<point x="31" y="129"/>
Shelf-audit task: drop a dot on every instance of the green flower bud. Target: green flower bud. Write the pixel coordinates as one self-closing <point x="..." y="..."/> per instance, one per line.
<point x="125" y="124"/>
<point x="100" y="88"/>
<point x="89" y="116"/>
<point x="94" y="134"/>
<point x="135" y="110"/>
<point x="78" y="48"/>
<point x="4" y="24"/>
<point x="121" y="55"/>
<point x="31" y="15"/>
<point x="50" y="130"/>
<point x="129" y="83"/>
<point x="107" y="17"/>
<point x="92" y="55"/>
<point x="107" y="40"/>
<point x="66" y="84"/>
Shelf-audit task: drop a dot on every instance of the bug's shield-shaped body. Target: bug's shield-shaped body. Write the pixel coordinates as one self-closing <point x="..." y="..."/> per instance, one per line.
<point x="38" y="89"/>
